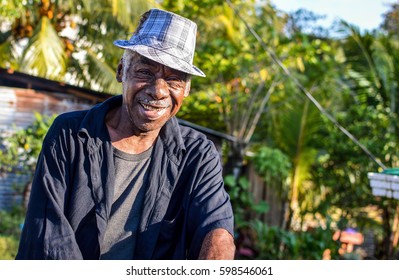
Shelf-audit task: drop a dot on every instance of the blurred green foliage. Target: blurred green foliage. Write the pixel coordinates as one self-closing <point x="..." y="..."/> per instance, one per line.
<point x="10" y="231"/>
<point x="21" y="148"/>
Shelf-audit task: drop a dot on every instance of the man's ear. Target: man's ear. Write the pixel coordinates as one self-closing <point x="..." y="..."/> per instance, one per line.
<point x="188" y="87"/>
<point x="119" y="71"/>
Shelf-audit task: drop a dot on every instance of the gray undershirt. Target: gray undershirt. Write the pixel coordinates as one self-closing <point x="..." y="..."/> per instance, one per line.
<point x="130" y="178"/>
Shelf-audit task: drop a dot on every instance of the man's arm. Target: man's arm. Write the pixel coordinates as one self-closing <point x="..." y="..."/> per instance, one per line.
<point x="217" y="245"/>
<point x="47" y="233"/>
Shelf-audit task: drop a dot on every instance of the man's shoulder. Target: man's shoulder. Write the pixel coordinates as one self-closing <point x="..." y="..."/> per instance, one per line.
<point x="189" y="132"/>
<point x="197" y="141"/>
<point x="70" y="119"/>
<point x="65" y="124"/>
<point x="71" y="116"/>
<point x="190" y="135"/>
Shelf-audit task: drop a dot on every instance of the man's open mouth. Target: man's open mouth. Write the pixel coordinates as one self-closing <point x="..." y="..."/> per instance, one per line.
<point x="153" y="108"/>
<point x="154" y="105"/>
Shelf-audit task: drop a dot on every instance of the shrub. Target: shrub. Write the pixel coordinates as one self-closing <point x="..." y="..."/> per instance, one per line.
<point x="8" y="247"/>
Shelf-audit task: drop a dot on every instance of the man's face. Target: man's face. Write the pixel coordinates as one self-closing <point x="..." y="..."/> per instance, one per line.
<point x="152" y="92"/>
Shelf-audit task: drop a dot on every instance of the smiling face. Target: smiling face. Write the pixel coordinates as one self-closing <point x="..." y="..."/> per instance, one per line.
<point x="152" y="93"/>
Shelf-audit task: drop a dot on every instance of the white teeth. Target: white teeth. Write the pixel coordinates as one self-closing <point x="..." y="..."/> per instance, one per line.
<point x="147" y="107"/>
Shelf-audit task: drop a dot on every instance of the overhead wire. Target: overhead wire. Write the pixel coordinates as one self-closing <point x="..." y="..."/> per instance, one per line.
<point x="303" y="89"/>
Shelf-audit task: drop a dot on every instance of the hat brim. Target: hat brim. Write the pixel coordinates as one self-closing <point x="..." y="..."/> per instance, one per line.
<point x="167" y="56"/>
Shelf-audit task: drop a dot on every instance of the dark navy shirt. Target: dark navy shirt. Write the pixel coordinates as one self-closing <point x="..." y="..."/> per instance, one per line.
<point x="72" y="192"/>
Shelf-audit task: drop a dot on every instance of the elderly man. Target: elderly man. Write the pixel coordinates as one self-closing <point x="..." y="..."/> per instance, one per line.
<point x="123" y="180"/>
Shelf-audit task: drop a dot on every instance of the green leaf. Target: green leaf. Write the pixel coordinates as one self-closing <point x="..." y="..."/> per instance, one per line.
<point x="229" y="180"/>
<point x="45" y="55"/>
<point x="261" y="207"/>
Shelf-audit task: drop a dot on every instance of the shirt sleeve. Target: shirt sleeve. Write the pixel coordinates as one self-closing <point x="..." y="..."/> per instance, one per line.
<point x="47" y="233"/>
<point x="210" y="206"/>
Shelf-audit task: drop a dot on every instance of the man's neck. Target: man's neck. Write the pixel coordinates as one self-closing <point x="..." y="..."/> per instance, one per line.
<point x="124" y="138"/>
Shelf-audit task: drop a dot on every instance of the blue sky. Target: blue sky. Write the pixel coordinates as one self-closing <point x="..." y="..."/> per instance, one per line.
<point x="366" y="14"/>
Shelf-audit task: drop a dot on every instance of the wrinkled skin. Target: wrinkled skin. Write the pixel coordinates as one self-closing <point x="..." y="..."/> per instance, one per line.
<point x="152" y="94"/>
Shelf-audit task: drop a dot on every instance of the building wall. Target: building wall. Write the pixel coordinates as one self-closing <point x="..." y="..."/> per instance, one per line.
<point x="17" y="106"/>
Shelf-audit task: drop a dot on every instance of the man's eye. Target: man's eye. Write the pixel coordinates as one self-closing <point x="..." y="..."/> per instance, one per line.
<point x="144" y="72"/>
<point x="175" y="79"/>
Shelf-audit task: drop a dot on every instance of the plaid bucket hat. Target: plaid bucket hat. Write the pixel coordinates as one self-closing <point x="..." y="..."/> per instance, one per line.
<point x="166" y="38"/>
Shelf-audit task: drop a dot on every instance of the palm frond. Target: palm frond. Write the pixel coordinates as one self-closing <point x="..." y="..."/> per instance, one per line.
<point x="76" y="73"/>
<point x="101" y="74"/>
<point x="354" y="32"/>
<point x="385" y="65"/>
<point x="45" y="55"/>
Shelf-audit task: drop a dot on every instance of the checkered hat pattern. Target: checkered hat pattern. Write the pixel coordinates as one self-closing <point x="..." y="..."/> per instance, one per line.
<point x="166" y="38"/>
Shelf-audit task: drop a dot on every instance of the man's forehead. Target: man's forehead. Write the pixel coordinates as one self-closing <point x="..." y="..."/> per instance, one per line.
<point x="147" y="61"/>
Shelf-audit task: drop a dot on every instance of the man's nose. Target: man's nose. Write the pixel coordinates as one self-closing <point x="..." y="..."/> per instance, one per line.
<point x="160" y="89"/>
